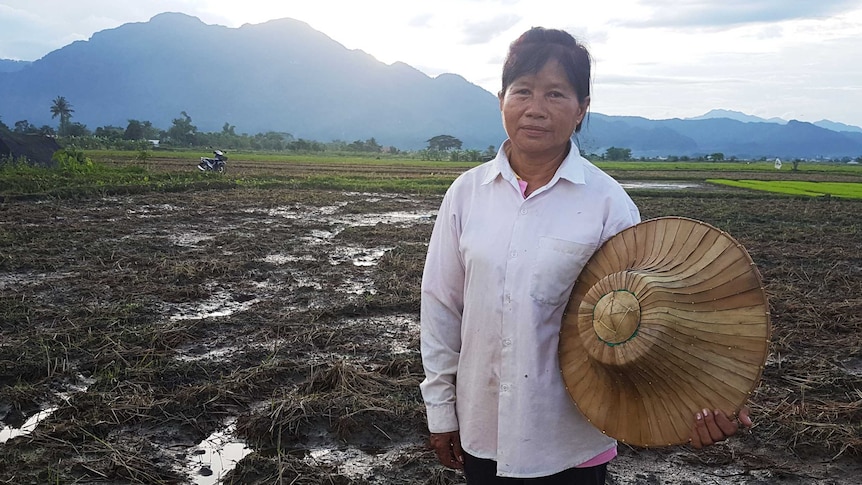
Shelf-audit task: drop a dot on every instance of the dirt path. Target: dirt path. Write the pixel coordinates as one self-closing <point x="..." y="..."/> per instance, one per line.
<point x="287" y="321"/>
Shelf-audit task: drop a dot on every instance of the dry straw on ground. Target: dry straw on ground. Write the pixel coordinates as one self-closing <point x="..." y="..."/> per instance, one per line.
<point x="97" y="318"/>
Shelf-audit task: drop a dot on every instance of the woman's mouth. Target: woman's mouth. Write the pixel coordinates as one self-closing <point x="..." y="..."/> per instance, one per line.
<point x="534" y="130"/>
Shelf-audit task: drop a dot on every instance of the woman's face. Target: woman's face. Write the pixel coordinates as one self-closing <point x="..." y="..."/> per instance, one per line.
<point x="541" y="111"/>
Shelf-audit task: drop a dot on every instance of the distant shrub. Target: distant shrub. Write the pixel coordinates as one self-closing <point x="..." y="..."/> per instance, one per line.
<point x="71" y="159"/>
<point x="142" y="156"/>
<point x="8" y="162"/>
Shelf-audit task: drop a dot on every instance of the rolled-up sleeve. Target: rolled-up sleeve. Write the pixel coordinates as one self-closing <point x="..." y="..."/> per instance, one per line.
<point x="442" y="304"/>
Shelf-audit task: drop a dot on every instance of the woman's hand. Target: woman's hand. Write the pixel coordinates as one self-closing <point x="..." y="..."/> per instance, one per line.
<point x="710" y="427"/>
<point x="448" y="449"/>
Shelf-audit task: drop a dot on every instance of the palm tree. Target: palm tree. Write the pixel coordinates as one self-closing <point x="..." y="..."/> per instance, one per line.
<point x="63" y="109"/>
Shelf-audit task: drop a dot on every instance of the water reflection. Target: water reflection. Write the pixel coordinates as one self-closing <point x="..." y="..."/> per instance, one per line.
<point x="220" y="304"/>
<point x="645" y="184"/>
<point x="9" y="432"/>
<point x="216" y="456"/>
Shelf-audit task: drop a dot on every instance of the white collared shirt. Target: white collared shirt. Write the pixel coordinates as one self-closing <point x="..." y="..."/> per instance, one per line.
<point x="497" y="277"/>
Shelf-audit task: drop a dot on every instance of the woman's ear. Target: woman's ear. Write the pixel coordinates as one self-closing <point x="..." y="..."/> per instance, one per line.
<point x="584" y="107"/>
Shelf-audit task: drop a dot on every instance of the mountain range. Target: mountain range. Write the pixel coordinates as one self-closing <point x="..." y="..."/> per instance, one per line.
<point x="736" y="115"/>
<point x="284" y="76"/>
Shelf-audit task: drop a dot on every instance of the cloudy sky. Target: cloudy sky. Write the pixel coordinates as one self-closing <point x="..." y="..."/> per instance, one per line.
<point x="793" y="59"/>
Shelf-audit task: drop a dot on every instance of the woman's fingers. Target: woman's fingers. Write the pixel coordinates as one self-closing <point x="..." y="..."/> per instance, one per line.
<point x="447" y="447"/>
<point x="727" y="427"/>
<point x="700" y="435"/>
<point x="710" y="427"/>
<point x="744" y="418"/>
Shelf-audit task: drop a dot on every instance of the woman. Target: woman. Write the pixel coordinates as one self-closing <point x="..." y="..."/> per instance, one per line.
<point x="510" y="238"/>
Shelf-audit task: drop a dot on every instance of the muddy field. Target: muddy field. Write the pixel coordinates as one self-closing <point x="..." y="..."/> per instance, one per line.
<point x="271" y="336"/>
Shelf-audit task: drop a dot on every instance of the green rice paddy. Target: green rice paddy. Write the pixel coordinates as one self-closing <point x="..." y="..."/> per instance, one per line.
<point x="848" y="190"/>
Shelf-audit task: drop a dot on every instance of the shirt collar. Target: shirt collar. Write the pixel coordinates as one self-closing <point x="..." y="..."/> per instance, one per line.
<point x="572" y="168"/>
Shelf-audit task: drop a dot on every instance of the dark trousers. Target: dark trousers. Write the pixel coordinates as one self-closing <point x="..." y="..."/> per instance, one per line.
<point x="484" y="472"/>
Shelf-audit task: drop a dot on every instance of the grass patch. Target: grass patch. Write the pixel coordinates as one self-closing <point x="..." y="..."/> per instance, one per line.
<point x="25" y="181"/>
<point x="847" y="190"/>
<point x="81" y="174"/>
<point x="71" y="178"/>
<point x="281" y="157"/>
<point x="412" y="160"/>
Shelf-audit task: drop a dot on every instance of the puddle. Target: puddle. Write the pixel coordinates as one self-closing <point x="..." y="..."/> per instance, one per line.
<point x="306" y="282"/>
<point x="265" y="284"/>
<point x="331" y="209"/>
<point x="374" y="196"/>
<point x="14" y="280"/>
<point x="215" y="354"/>
<point x="9" y="432"/>
<point x="189" y="239"/>
<point x="280" y="259"/>
<point x="300" y="211"/>
<point x="400" y="332"/>
<point x="328" y="215"/>
<point x="357" y="287"/>
<point x="216" y="456"/>
<point x="318" y="237"/>
<point x="662" y="185"/>
<point x="359" y="256"/>
<point x="354" y="463"/>
<point x="220" y="304"/>
<point x="148" y="211"/>
<point x="395" y="218"/>
<point x="396" y="330"/>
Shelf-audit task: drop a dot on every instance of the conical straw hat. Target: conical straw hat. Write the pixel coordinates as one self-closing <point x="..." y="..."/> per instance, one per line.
<point x="667" y="318"/>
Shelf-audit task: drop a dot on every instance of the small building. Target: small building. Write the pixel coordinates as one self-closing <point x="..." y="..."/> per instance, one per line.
<point x="36" y="149"/>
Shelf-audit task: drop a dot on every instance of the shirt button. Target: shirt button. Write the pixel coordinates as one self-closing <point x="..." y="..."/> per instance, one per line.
<point x="523" y="212"/>
<point x="513" y="254"/>
<point x="507" y="342"/>
<point x="505" y="387"/>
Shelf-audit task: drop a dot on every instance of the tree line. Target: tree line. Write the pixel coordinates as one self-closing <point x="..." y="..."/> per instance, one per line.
<point x="142" y="135"/>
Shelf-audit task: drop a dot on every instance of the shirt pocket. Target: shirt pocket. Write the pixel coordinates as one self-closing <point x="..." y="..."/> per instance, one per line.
<point x="558" y="263"/>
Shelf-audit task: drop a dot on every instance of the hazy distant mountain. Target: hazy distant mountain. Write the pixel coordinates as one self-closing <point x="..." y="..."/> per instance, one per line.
<point x="9" y="65"/>
<point x="284" y="76"/>
<point x="719" y="135"/>
<point x="738" y="116"/>
<point x="834" y="126"/>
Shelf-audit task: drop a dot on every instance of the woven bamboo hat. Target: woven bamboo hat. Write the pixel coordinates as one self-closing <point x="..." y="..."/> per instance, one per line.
<point x="668" y="317"/>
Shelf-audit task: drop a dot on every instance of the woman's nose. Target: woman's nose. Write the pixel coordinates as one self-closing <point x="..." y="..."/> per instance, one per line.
<point x="536" y="107"/>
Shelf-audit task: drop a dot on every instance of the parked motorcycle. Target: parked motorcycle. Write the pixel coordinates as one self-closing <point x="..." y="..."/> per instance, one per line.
<point x="215" y="164"/>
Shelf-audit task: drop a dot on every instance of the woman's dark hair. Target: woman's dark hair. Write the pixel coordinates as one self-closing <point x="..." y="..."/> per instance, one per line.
<point x="529" y="53"/>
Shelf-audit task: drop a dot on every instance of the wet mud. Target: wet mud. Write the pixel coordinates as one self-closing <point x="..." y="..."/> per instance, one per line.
<point x="272" y="336"/>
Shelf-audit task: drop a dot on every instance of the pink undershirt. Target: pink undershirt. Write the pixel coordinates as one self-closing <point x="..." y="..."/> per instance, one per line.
<point x="603" y="457"/>
<point x="523" y="185"/>
<point x="600" y="459"/>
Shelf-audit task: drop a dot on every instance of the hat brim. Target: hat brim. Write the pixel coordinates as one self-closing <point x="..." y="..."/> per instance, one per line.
<point x="667" y="318"/>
